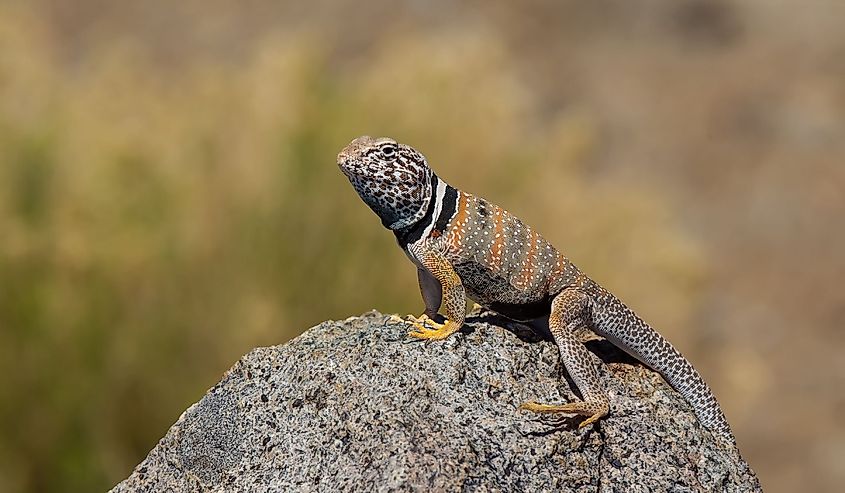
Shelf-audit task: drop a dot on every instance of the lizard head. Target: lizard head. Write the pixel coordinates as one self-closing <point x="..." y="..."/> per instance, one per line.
<point x="392" y="178"/>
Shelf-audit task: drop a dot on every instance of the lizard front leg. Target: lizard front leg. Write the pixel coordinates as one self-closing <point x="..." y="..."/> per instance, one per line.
<point x="567" y="317"/>
<point x="432" y="294"/>
<point x="440" y="285"/>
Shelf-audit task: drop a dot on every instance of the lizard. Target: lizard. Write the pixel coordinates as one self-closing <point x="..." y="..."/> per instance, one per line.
<point x="466" y="247"/>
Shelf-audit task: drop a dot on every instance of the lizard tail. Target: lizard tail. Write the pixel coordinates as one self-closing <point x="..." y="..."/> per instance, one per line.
<point x="621" y="326"/>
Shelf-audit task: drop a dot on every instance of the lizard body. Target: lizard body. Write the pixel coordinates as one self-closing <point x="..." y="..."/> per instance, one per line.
<point x="464" y="246"/>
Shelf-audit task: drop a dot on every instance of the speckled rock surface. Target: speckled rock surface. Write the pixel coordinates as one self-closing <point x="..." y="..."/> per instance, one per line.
<point x="355" y="406"/>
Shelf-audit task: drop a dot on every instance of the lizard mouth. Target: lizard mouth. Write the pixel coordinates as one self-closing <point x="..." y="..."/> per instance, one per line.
<point x="346" y="164"/>
<point x="348" y="158"/>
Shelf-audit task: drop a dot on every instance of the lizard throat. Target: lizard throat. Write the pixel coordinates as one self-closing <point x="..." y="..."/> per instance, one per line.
<point x="441" y="208"/>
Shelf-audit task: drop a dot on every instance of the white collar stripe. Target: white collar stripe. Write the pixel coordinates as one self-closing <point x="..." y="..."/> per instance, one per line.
<point x="438" y="206"/>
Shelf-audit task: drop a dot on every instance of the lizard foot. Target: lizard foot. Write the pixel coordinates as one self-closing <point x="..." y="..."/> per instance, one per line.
<point x="426" y="328"/>
<point x="594" y="410"/>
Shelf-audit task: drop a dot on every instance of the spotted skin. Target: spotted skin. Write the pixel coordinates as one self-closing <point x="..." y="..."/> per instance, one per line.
<point x="570" y="312"/>
<point x="465" y="246"/>
<point x="396" y="177"/>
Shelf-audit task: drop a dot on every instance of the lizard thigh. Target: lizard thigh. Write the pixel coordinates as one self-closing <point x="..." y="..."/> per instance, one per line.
<point x="570" y="315"/>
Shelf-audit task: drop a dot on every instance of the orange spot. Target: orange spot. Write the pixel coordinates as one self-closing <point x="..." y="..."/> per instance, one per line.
<point x="458" y="222"/>
<point x="494" y="257"/>
<point x="527" y="273"/>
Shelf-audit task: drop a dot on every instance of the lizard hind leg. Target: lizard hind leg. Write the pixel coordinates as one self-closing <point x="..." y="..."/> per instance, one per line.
<point x="568" y="314"/>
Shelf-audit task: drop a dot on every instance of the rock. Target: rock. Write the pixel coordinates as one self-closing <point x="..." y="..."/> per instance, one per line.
<point x="356" y="405"/>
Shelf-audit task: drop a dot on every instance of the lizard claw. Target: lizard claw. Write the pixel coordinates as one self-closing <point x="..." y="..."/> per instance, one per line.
<point x="426" y="328"/>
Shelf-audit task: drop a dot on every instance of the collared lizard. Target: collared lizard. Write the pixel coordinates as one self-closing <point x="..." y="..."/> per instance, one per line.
<point x="464" y="246"/>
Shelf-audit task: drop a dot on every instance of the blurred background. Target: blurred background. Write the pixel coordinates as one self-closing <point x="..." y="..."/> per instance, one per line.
<point x="169" y="197"/>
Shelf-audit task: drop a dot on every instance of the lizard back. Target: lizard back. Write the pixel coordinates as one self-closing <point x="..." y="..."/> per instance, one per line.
<point x="504" y="264"/>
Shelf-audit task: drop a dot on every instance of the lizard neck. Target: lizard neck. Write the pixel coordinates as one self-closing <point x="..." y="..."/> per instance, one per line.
<point x="440" y="210"/>
<point x="393" y="221"/>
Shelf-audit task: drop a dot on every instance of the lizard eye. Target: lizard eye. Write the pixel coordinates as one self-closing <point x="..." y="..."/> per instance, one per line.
<point x="388" y="150"/>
